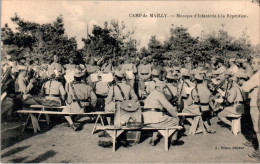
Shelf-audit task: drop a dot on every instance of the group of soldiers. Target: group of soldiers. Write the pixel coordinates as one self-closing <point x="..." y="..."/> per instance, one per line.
<point x="164" y="88"/>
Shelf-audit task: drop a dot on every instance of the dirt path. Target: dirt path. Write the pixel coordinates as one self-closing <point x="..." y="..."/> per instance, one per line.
<point x="61" y="144"/>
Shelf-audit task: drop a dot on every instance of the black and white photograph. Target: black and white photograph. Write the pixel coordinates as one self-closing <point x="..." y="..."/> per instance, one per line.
<point x="128" y="81"/>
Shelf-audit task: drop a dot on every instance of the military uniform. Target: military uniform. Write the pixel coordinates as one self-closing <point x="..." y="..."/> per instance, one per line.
<point x="153" y="111"/>
<point x="85" y="95"/>
<point x="129" y="67"/>
<point x="107" y="67"/>
<point x="182" y="85"/>
<point x="70" y="67"/>
<point x="235" y="104"/>
<point x="56" y="66"/>
<point x="101" y="89"/>
<point x="22" y="89"/>
<point x="54" y="91"/>
<point x="252" y="87"/>
<point x="202" y="96"/>
<point x="144" y="73"/>
<point x="115" y="93"/>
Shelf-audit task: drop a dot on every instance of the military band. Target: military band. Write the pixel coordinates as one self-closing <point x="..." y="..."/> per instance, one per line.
<point x="164" y="87"/>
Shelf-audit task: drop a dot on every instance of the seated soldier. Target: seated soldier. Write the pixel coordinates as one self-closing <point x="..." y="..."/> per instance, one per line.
<point x="23" y="88"/>
<point x="235" y="99"/>
<point x="53" y="91"/>
<point x="171" y="89"/>
<point x="182" y="94"/>
<point x="153" y="114"/>
<point x="80" y="97"/>
<point x="198" y="102"/>
<point x="101" y="89"/>
<point x="120" y="87"/>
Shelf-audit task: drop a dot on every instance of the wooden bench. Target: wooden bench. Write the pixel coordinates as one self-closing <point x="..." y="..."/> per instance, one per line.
<point x="236" y="123"/>
<point x="196" y="122"/>
<point x="115" y="132"/>
<point x="35" y="120"/>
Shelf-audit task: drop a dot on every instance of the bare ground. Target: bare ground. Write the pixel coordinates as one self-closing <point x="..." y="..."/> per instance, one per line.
<point x="59" y="143"/>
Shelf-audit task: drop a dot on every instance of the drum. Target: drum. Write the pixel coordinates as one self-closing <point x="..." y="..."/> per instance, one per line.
<point x="133" y="137"/>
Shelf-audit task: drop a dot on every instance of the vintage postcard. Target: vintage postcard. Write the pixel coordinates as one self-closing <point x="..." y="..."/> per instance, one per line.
<point x="87" y="81"/>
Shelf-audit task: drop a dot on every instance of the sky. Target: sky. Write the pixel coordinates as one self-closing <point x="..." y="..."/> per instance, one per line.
<point x="80" y="14"/>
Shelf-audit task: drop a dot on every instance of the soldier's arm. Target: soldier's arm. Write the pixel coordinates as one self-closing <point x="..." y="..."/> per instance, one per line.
<point x="190" y="98"/>
<point x="133" y="95"/>
<point x="62" y="92"/>
<point x="110" y="95"/>
<point x="167" y="105"/>
<point x="139" y="71"/>
<point x="93" y="98"/>
<point x="134" y="68"/>
<point x="251" y="83"/>
<point x="232" y="95"/>
<point x="150" y="71"/>
<point x="23" y="88"/>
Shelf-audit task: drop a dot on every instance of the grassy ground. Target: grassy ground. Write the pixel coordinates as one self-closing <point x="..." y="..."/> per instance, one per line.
<point x="60" y="143"/>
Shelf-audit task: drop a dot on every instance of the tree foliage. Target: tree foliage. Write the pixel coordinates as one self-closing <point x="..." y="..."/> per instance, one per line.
<point x="35" y="40"/>
<point x="112" y="40"/>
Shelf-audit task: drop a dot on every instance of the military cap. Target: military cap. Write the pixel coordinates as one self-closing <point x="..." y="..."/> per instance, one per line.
<point x="232" y="60"/>
<point x="119" y="73"/>
<point x="170" y="76"/>
<point x="185" y="72"/>
<point x="177" y="68"/>
<point x="22" y="68"/>
<point x="155" y="72"/>
<point x="8" y="57"/>
<point x="160" y="83"/>
<point x="209" y="74"/>
<point x="257" y="60"/>
<point x="198" y="76"/>
<point x="243" y="60"/>
<point x="79" y="74"/>
<point x="129" y="105"/>
<point x="242" y="75"/>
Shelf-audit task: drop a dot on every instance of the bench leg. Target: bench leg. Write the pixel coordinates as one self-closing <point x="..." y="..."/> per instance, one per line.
<point x="95" y="125"/>
<point x="166" y="134"/>
<point x="114" y="141"/>
<point x="236" y="125"/>
<point x="35" y="123"/>
<point x="27" y="122"/>
<point x="191" y="127"/>
<point x="48" y="119"/>
<point x="195" y="125"/>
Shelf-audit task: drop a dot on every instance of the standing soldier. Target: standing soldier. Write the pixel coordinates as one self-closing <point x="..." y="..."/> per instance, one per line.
<point x="91" y="68"/>
<point x="130" y="69"/>
<point x="56" y="67"/>
<point x="144" y="74"/>
<point x="252" y="87"/>
<point x="70" y="66"/>
<point x="159" y="69"/>
<point x="247" y="67"/>
<point x="153" y="114"/>
<point x="108" y="66"/>
<point x="80" y="97"/>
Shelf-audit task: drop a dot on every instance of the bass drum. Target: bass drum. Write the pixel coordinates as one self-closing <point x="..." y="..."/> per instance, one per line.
<point x="133" y="137"/>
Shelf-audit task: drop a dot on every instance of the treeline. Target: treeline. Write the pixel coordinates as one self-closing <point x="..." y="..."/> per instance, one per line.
<point x="32" y="40"/>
